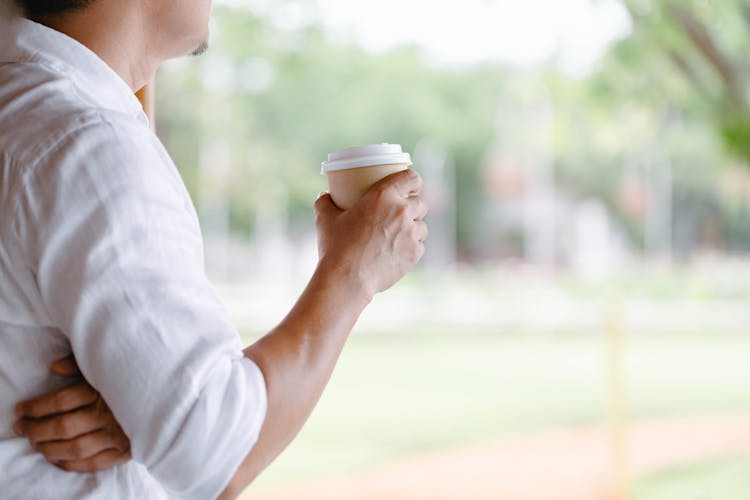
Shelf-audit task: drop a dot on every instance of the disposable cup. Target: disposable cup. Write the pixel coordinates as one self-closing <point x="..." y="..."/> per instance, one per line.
<point x="353" y="171"/>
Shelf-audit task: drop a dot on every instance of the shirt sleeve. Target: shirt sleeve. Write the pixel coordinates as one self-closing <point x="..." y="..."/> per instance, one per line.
<point x="118" y="258"/>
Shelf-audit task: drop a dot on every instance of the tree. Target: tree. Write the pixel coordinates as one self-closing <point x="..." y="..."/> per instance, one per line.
<point x="707" y="42"/>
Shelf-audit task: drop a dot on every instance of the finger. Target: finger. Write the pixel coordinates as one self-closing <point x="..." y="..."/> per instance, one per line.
<point x="407" y="182"/>
<point x="85" y="446"/>
<point x="63" y="426"/>
<point x="324" y="206"/>
<point x="101" y="461"/>
<point x="418" y="209"/>
<point x="62" y="400"/>
<point x="66" y="367"/>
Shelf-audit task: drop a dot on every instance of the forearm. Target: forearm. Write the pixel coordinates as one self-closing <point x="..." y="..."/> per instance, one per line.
<point x="297" y="359"/>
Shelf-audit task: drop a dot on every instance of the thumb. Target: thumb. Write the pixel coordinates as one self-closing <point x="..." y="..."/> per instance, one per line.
<point x="65" y="367"/>
<point x="324" y="206"/>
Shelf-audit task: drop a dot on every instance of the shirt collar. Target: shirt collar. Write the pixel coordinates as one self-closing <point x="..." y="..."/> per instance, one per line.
<point x="22" y="40"/>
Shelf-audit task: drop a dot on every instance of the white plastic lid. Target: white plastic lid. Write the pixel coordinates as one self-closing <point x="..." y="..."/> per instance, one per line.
<point x="366" y="156"/>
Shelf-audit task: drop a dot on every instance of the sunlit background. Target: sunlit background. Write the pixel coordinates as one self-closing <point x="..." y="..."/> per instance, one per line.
<point x="579" y="326"/>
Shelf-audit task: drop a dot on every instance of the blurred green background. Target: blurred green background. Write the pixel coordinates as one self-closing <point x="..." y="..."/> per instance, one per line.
<point x="587" y="166"/>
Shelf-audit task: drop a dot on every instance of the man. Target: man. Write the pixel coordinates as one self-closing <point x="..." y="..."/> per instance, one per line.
<point x="101" y="257"/>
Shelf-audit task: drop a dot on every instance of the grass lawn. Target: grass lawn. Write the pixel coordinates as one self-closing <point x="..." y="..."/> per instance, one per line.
<point x="395" y="395"/>
<point x="721" y="480"/>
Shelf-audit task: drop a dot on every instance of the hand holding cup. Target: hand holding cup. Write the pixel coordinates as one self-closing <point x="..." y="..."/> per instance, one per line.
<point x="380" y="236"/>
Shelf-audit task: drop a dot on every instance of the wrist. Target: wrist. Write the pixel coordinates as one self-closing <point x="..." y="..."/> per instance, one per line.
<point x="344" y="276"/>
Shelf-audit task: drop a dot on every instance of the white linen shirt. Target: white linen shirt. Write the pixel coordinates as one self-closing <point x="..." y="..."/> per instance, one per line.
<point x="101" y="255"/>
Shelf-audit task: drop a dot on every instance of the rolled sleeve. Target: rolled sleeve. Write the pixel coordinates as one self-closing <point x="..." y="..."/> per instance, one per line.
<point x="118" y="258"/>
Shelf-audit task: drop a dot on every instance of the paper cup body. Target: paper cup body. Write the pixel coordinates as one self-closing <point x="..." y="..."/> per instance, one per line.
<point x="353" y="171"/>
<point x="348" y="186"/>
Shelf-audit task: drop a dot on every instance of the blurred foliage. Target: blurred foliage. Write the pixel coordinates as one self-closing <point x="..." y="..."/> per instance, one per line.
<point x="697" y="50"/>
<point x="315" y="97"/>
<point x="255" y="116"/>
<point x="706" y="42"/>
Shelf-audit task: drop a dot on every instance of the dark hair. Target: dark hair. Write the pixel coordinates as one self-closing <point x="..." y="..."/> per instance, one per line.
<point x="36" y="8"/>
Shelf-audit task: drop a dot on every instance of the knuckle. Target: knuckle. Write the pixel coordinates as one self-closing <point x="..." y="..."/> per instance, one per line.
<point x="317" y="208"/>
<point x="123" y="443"/>
<point x="379" y="192"/>
<point x="61" y="400"/>
<point x="76" y="448"/>
<point x="417" y="179"/>
<point x="63" y="426"/>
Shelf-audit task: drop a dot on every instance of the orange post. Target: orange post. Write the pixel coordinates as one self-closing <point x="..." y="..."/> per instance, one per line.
<point x="618" y="421"/>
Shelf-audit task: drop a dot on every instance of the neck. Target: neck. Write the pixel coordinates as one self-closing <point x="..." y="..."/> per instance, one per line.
<point x="115" y="32"/>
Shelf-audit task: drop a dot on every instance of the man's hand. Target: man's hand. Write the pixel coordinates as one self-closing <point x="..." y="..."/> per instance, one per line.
<point x="73" y="426"/>
<point x="379" y="239"/>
